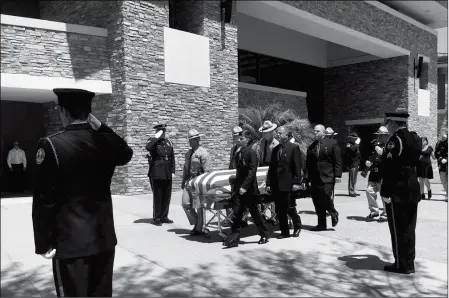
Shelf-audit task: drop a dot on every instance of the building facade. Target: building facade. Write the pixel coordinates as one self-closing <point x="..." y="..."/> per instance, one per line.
<point x="340" y="63"/>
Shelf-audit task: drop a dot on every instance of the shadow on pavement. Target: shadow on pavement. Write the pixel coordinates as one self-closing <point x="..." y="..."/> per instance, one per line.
<point x="363" y="262"/>
<point x="250" y="272"/>
<point x="361" y="218"/>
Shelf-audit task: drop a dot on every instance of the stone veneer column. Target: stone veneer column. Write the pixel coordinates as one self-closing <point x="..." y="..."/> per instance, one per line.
<point x="150" y="100"/>
<point x="424" y="126"/>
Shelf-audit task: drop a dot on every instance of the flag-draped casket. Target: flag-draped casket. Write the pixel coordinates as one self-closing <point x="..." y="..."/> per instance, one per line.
<point x="216" y="185"/>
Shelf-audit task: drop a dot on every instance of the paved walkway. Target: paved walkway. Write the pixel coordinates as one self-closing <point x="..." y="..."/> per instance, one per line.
<point x="165" y="261"/>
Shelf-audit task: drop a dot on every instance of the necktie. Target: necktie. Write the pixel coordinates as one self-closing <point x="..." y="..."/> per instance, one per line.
<point x="318" y="148"/>
<point x="280" y="152"/>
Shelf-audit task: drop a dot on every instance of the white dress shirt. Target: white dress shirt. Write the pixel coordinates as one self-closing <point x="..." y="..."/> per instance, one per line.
<point x="16" y="156"/>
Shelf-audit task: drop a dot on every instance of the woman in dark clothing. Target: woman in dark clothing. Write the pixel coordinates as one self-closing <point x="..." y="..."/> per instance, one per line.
<point x="425" y="171"/>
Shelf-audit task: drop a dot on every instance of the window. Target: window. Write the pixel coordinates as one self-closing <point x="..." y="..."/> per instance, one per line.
<point x="187" y="16"/>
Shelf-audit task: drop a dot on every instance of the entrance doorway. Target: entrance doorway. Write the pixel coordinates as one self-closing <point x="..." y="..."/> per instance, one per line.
<point x="24" y="122"/>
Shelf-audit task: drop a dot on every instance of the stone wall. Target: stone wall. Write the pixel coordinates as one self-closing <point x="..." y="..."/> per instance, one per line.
<point x="366" y="18"/>
<point x="249" y="98"/>
<point x="40" y="52"/>
<point x="364" y="90"/>
<point x="109" y="15"/>
<point x="212" y="111"/>
<point x="137" y="57"/>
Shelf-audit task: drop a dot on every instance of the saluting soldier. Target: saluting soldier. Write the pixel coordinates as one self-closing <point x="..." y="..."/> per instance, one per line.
<point x="400" y="190"/>
<point x="161" y="173"/>
<point x="72" y="207"/>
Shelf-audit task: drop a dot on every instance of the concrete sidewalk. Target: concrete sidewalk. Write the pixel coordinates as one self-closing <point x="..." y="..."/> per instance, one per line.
<point x="166" y="261"/>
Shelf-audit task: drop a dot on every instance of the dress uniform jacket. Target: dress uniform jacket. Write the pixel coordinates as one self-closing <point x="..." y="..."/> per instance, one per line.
<point x="400" y="158"/>
<point x="375" y="174"/>
<point x="72" y="205"/>
<point x="163" y="159"/>
<point x="196" y="163"/>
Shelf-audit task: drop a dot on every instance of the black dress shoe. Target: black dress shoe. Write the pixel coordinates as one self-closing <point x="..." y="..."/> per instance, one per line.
<point x="334" y="220"/>
<point x="166" y="221"/>
<point x="244" y="224"/>
<point x="429" y="194"/>
<point x="263" y="240"/>
<point x="423" y="196"/>
<point x="195" y="232"/>
<point x="283" y="236"/>
<point x="296" y="232"/>
<point x="157" y="222"/>
<point x="393" y="268"/>
<point x="318" y="228"/>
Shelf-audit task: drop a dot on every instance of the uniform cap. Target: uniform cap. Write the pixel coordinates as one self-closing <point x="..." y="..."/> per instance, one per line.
<point x="382" y="131"/>
<point x="330" y="132"/>
<point x="193" y="134"/>
<point x="74" y="98"/>
<point x="160" y="126"/>
<point x="401" y="114"/>
<point x="237" y="130"/>
<point x="354" y="135"/>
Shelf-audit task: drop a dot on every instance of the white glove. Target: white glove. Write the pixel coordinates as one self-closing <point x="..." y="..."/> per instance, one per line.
<point x="268" y="189"/>
<point x="368" y="163"/>
<point x="158" y="134"/>
<point x="49" y="254"/>
<point x="357" y="141"/>
<point x="173" y="175"/>
<point x="242" y="191"/>
<point x="337" y="180"/>
<point x="379" y="150"/>
<point x="94" y="122"/>
<point x="443" y="161"/>
<point x="386" y="200"/>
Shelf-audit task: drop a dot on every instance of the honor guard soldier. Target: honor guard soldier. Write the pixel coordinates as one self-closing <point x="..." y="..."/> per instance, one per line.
<point x="400" y="189"/>
<point x="161" y="172"/>
<point x="72" y="207"/>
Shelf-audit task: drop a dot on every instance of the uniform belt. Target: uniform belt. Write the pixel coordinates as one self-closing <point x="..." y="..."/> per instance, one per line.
<point x="162" y="158"/>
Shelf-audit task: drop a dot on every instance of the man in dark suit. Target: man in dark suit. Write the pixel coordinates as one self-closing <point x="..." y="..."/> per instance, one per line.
<point x="161" y="173"/>
<point x="72" y="206"/>
<point x="246" y="192"/>
<point x="352" y="160"/>
<point x="400" y="189"/>
<point x="323" y="170"/>
<point x="441" y="156"/>
<point x="283" y="177"/>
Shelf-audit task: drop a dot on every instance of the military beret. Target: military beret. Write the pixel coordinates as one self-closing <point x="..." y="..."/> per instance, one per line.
<point x="401" y="114"/>
<point x="160" y="126"/>
<point x="72" y="98"/>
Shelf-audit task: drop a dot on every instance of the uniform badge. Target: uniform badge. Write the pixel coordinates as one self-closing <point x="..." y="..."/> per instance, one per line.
<point x="40" y="156"/>
<point x="390" y="145"/>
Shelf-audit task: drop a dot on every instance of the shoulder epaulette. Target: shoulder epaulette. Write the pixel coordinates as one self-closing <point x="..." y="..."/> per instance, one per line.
<point x="55" y="134"/>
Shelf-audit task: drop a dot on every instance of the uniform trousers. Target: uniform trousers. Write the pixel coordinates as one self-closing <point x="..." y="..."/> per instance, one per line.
<point x="161" y="198"/>
<point x="89" y="276"/>
<point x="249" y="201"/>
<point x="372" y="193"/>
<point x="322" y="200"/>
<point x="195" y="218"/>
<point x="402" y="224"/>
<point x="352" y="180"/>
<point x="285" y="205"/>
<point x="443" y="178"/>
<point x="17" y="182"/>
